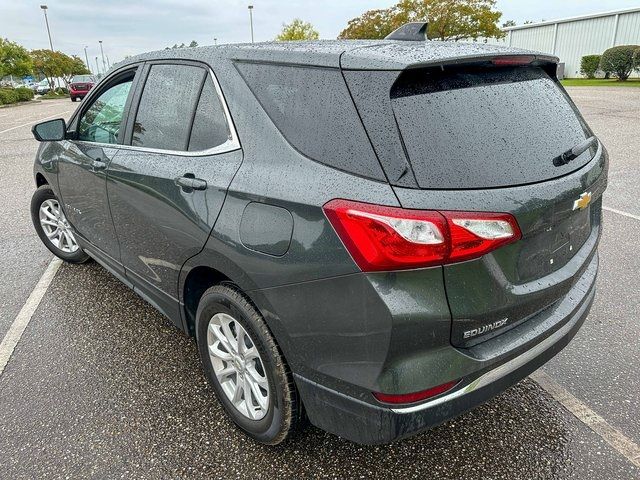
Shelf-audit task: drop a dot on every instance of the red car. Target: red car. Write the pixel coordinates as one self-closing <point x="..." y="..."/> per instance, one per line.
<point x="80" y="86"/>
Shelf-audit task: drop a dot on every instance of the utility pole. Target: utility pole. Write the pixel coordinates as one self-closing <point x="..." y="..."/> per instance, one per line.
<point x="251" y="20"/>
<point x="104" y="65"/>
<point x="86" y="57"/>
<point x="46" y="20"/>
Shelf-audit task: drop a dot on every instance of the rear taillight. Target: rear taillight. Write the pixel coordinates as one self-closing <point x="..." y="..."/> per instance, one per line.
<point x="392" y="238"/>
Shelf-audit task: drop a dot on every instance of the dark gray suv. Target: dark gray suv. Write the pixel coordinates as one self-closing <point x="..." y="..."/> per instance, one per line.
<point x="372" y="235"/>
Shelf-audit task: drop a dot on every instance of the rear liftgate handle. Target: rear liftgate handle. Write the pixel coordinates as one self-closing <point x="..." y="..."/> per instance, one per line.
<point x="189" y="183"/>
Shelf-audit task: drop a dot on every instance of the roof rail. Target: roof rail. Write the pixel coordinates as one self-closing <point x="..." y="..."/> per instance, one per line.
<point x="411" y="32"/>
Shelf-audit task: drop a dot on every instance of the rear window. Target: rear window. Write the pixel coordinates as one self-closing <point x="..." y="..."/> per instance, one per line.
<point x="312" y="108"/>
<point x="479" y="128"/>
<point x="83" y="78"/>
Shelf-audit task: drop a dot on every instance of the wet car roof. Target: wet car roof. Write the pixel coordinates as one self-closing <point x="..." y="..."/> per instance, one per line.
<point x="348" y="54"/>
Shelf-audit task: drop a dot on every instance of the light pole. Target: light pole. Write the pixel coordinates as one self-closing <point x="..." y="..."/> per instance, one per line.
<point x="86" y="57"/>
<point x="97" y="66"/>
<point x="46" y="20"/>
<point x="104" y="65"/>
<point x="251" y="20"/>
<point x="108" y="62"/>
<point x="215" y="41"/>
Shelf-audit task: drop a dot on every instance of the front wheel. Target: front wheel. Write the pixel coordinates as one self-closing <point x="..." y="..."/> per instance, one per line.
<point x="53" y="228"/>
<point x="245" y="367"/>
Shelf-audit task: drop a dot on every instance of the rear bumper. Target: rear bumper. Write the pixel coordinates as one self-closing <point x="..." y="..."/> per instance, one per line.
<point x="368" y="423"/>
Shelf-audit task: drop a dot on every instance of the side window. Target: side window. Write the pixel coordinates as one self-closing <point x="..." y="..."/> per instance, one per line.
<point x="312" y="108"/>
<point x="210" y="127"/>
<point x="101" y="121"/>
<point x="166" y="107"/>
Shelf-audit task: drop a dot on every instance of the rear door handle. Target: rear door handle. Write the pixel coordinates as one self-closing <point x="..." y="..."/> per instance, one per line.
<point x="188" y="183"/>
<point x="98" y="164"/>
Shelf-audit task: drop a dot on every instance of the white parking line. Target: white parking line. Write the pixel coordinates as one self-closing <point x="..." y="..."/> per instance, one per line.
<point x="614" y="437"/>
<point x="620" y="212"/>
<point x="20" y="323"/>
<point x="33" y="122"/>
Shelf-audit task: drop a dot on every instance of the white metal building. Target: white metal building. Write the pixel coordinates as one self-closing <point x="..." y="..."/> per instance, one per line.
<point x="572" y="38"/>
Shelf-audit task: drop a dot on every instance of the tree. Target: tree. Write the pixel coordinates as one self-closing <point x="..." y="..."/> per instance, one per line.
<point x="619" y="61"/>
<point x="48" y="64"/>
<point x="509" y="23"/>
<point x="14" y="59"/>
<point x="297" y="30"/>
<point x="72" y="66"/>
<point x="448" y="19"/>
<point x="193" y="44"/>
<point x="56" y="64"/>
<point x="372" y="24"/>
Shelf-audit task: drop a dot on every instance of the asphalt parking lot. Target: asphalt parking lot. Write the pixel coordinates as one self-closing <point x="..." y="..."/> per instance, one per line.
<point x="101" y="385"/>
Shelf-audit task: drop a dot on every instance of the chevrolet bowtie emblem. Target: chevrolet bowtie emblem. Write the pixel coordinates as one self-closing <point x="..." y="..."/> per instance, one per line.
<point x="583" y="202"/>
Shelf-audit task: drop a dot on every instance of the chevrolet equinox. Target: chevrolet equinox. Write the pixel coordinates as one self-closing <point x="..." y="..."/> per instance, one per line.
<point x="373" y="236"/>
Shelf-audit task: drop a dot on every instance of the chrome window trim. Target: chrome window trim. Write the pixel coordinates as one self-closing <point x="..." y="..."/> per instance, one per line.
<point x="232" y="144"/>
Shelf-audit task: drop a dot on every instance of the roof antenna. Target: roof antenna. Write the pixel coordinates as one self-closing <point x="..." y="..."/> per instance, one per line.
<point x="412" y="32"/>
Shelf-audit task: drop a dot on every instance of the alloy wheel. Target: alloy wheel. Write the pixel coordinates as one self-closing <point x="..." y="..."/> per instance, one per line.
<point x="238" y="366"/>
<point x="56" y="227"/>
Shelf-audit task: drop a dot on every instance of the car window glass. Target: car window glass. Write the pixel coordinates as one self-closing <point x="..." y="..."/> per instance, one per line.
<point x="314" y="111"/>
<point x="210" y="127"/>
<point x="101" y="122"/>
<point x="166" y="107"/>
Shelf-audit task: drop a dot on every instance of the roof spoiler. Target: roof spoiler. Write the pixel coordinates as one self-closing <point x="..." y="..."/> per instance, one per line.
<point x="411" y="32"/>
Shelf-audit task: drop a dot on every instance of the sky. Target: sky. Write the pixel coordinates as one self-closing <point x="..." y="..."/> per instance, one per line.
<point x="127" y="27"/>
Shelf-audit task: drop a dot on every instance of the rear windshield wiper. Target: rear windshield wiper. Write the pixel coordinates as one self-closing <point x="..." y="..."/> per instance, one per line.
<point x="574" y="153"/>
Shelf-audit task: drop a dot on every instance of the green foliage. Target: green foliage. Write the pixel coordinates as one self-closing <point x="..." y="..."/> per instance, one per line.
<point x="14" y="95"/>
<point x="619" y="61"/>
<point x="297" y="30"/>
<point x="51" y="64"/>
<point x="193" y="44"/>
<point x="448" y="20"/>
<point x="14" y="59"/>
<point x="589" y="65"/>
<point x="57" y="93"/>
<point x="636" y="59"/>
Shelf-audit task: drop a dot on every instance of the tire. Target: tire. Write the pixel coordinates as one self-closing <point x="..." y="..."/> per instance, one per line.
<point x="73" y="99"/>
<point x="284" y="412"/>
<point x="45" y="194"/>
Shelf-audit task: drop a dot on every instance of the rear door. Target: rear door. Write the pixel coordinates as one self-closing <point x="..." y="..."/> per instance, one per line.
<point x="166" y="188"/>
<point x="483" y="138"/>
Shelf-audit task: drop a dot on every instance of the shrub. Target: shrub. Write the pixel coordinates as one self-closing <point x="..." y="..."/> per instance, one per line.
<point x="589" y="65"/>
<point x="636" y="59"/>
<point x="619" y="61"/>
<point x="14" y="95"/>
<point x="8" y="95"/>
<point x="24" y="94"/>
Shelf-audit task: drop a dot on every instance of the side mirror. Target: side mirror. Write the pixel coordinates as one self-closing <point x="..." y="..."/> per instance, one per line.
<point x="50" y="131"/>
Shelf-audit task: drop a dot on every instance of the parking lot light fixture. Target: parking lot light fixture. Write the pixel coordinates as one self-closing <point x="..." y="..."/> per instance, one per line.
<point x="86" y="57"/>
<point x="104" y="65"/>
<point x="46" y="21"/>
<point x="251" y="20"/>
